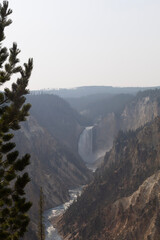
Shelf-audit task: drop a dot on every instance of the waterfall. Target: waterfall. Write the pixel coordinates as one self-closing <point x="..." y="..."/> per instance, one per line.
<point x="85" y="145"/>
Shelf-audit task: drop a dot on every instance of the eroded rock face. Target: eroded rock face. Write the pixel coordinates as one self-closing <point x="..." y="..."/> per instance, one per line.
<point x="139" y="112"/>
<point x="136" y="216"/>
<point x="123" y="200"/>
<point x="142" y="109"/>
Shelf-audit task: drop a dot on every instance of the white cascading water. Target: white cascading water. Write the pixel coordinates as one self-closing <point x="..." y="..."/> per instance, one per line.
<point x="51" y="232"/>
<point x="85" y="145"/>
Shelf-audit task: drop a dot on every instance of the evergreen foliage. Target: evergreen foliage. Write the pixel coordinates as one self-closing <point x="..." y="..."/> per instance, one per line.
<point x="13" y="204"/>
<point x="41" y="229"/>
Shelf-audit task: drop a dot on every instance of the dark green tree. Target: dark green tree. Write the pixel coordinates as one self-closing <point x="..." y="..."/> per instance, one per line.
<point x="13" y="204"/>
<point x="41" y="228"/>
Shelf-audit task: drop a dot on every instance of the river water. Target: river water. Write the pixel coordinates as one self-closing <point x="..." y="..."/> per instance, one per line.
<point x="51" y="232"/>
<point x="85" y="151"/>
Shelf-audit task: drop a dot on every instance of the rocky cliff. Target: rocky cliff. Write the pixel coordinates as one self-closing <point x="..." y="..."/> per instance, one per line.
<point x="123" y="200"/>
<point x="136" y="216"/>
<point x="143" y="108"/>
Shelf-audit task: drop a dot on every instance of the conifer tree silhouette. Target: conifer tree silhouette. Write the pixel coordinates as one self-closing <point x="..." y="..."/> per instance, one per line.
<point x="13" y="204"/>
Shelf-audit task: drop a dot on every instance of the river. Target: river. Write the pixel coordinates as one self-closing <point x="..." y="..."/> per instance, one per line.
<point x="85" y="151"/>
<point x="51" y="233"/>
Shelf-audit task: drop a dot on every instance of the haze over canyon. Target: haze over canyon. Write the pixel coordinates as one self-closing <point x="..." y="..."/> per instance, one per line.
<point x="102" y="137"/>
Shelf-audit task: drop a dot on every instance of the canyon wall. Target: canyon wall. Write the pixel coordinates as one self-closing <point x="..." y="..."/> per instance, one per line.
<point x="123" y="201"/>
<point x="142" y="109"/>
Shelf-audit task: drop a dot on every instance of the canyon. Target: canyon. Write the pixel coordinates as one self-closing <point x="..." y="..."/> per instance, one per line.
<point x="122" y="201"/>
<point x="114" y="205"/>
<point x="64" y="143"/>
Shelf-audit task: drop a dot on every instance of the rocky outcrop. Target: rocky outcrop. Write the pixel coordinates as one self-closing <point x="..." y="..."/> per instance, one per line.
<point x="123" y="200"/>
<point x="140" y="111"/>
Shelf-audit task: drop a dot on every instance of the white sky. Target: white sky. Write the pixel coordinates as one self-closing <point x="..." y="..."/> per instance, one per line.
<point x="88" y="42"/>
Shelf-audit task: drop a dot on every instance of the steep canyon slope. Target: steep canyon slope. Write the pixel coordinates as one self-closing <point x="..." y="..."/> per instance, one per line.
<point x="55" y="164"/>
<point x="51" y="136"/>
<point x="58" y="118"/>
<point x="123" y="200"/>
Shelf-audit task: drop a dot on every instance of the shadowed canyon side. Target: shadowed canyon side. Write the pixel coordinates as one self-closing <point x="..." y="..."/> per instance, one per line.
<point x="53" y="167"/>
<point x="58" y="118"/>
<point x="125" y="191"/>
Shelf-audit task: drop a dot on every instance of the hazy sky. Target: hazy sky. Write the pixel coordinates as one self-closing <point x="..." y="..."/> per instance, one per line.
<point x="88" y="42"/>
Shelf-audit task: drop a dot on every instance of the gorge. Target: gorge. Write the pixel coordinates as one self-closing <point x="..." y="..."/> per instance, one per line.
<point x="130" y="169"/>
<point x="62" y="142"/>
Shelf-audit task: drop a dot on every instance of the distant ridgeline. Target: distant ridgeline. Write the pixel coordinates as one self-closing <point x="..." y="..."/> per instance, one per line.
<point x="107" y="113"/>
<point x="91" y="90"/>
